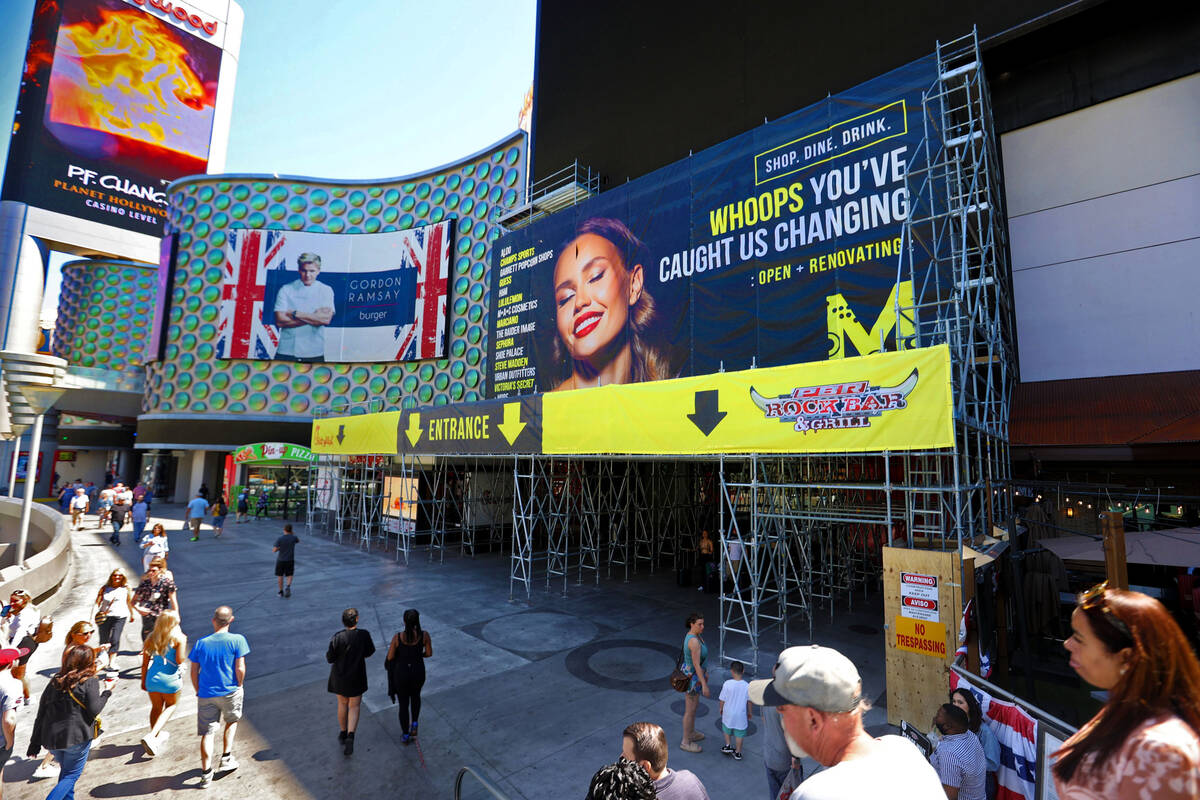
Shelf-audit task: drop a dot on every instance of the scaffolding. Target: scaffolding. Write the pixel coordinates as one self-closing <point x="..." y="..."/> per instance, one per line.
<point x="795" y="534"/>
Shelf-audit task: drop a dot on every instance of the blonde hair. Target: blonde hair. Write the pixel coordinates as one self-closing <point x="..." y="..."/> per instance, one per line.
<point x="165" y="629"/>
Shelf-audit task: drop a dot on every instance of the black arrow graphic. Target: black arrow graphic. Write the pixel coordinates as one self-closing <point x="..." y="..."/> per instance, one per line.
<point x="341" y="433"/>
<point x="707" y="417"/>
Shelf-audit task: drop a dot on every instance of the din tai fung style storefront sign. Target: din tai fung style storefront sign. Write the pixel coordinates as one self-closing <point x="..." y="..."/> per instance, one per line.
<point x="885" y="402"/>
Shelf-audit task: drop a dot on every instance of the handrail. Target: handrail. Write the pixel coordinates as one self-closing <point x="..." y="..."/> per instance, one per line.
<point x="485" y="782"/>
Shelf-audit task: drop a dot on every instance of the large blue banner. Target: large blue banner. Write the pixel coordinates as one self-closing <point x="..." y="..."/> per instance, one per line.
<point x="780" y="246"/>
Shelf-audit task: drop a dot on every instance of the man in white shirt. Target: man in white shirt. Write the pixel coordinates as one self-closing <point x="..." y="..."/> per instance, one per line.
<point x="819" y="694"/>
<point x="79" y="505"/>
<point x="302" y="309"/>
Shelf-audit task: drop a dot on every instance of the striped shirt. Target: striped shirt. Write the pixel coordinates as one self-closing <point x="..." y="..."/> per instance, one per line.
<point x="960" y="762"/>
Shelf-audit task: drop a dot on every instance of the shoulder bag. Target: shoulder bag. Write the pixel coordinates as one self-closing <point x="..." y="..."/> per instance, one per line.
<point x="680" y="680"/>
<point x="96" y="727"/>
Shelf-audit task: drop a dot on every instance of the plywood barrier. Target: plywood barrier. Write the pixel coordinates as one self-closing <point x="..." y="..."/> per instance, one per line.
<point x="922" y="606"/>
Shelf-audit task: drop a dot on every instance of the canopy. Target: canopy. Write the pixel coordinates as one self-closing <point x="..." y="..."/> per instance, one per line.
<point x="273" y="453"/>
<point x="1179" y="547"/>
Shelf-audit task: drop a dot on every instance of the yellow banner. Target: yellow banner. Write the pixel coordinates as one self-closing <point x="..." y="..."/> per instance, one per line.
<point x="356" y="435"/>
<point x="915" y="636"/>
<point x="888" y="401"/>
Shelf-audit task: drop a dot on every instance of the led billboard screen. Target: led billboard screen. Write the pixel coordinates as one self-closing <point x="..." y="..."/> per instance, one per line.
<point x="780" y="246"/>
<point x="114" y="104"/>
<point x="311" y="297"/>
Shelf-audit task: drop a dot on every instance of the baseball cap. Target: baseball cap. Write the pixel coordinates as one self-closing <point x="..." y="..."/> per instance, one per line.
<point x="814" y="676"/>
<point x="9" y="655"/>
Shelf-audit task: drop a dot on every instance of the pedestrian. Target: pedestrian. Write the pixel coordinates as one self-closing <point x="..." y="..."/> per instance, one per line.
<point x="65" y="493"/>
<point x="218" y="672"/>
<point x="260" y="508"/>
<point x="106" y="504"/>
<point x="79" y="507"/>
<point x="10" y="701"/>
<point x="156" y="545"/>
<point x="623" y="780"/>
<point x="219" y="510"/>
<point x="162" y="679"/>
<point x="243" y="506"/>
<point x="196" y="510"/>
<point x="645" y="744"/>
<point x="405" y="665"/>
<point x="819" y="695"/>
<point x="778" y="758"/>
<point x="67" y="718"/>
<point x="92" y="493"/>
<point x="139" y="492"/>
<point x="202" y="492"/>
<point x="695" y="656"/>
<point x="80" y="635"/>
<point x="736" y="710"/>
<point x="968" y="702"/>
<point x="124" y="495"/>
<point x="285" y="561"/>
<point x="154" y="594"/>
<point x="958" y="758"/>
<point x="1145" y="740"/>
<point x="347" y="654"/>
<point x="22" y="627"/>
<point x="149" y="497"/>
<point x="112" y="609"/>
<point x="119" y="513"/>
<point x="139" y="515"/>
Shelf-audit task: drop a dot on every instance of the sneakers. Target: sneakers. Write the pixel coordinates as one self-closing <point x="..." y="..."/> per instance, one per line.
<point x="281" y="592"/>
<point x="737" y="756"/>
<point x="194" y="539"/>
<point x="153" y="745"/>
<point x="691" y="747"/>
<point x="412" y="731"/>
<point x="341" y="736"/>
<point x="206" y="779"/>
<point x="287" y="592"/>
<point x="46" y="770"/>
<point x="727" y="750"/>
<point x="228" y="763"/>
<point x="348" y="749"/>
<point x="405" y="738"/>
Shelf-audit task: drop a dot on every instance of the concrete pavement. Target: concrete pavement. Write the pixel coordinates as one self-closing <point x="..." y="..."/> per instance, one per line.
<point x="533" y="694"/>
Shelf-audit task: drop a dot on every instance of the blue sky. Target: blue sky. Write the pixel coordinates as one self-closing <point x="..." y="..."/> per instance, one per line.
<point x="360" y="89"/>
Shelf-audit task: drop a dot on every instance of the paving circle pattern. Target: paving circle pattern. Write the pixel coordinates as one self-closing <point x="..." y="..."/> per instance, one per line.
<point x="632" y="665"/>
<point x="538" y="631"/>
<point x="203" y="209"/>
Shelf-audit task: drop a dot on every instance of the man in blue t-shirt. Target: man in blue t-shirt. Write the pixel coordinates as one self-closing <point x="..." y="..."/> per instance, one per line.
<point x="218" y="671"/>
<point x="196" y="510"/>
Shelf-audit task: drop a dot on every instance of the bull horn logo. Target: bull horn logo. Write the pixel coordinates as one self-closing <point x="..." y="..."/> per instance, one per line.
<point x="851" y="404"/>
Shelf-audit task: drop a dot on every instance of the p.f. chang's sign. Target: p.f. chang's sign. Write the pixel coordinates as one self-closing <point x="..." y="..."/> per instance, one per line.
<point x="167" y="8"/>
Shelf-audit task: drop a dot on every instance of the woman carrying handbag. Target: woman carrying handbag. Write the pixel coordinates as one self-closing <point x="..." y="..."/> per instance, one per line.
<point x="68" y="718"/>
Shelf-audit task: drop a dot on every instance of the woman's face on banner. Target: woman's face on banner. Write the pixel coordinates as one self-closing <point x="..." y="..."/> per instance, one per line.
<point x="593" y="291"/>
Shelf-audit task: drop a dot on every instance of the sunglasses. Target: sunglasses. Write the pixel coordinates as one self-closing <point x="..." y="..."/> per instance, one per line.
<point x="1095" y="598"/>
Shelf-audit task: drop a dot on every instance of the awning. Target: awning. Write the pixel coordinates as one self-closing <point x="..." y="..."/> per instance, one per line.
<point x="1116" y="411"/>
<point x="1179" y="547"/>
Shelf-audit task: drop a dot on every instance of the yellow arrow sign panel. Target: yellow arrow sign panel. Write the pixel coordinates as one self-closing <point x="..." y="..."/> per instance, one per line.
<point x="365" y="433"/>
<point x="889" y="401"/>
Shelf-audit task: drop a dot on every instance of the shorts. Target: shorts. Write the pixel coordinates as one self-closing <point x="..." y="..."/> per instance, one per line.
<point x="28" y="642"/>
<point x="283" y="568"/>
<point x="194" y="524"/>
<point x="218" y="522"/>
<point x="211" y="711"/>
<point x="738" y="733"/>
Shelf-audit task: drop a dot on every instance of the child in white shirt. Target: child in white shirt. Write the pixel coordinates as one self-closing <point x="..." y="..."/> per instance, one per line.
<point x="736" y="710"/>
<point x="155" y="544"/>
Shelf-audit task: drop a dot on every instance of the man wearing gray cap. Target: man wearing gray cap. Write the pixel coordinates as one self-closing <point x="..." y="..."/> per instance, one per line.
<point x="819" y="694"/>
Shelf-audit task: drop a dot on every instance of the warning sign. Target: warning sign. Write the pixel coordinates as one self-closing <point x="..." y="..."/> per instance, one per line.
<point x="926" y="638"/>
<point x="919" y="596"/>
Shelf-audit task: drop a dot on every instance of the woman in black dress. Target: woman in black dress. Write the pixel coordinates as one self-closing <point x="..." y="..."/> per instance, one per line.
<point x="348" y="651"/>
<point x="405" y="665"/>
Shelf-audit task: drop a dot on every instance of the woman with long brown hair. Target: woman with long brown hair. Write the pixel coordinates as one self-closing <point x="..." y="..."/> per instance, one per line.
<point x="66" y="717"/>
<point x="1145" y="741"/>
<point x="603" y="314"/>
<point x="112" y="609"/>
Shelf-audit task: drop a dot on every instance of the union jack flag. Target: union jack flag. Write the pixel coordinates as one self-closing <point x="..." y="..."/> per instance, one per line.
<point x="247" y="258"/>
<point x="429" y="250"/>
